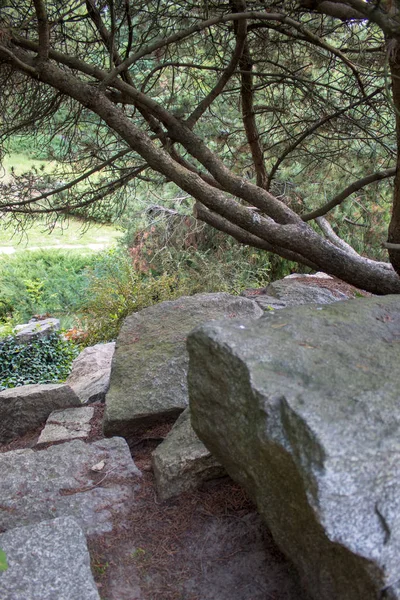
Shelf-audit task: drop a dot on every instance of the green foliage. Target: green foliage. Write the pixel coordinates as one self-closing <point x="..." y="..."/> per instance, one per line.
<point x="3" y="561"/>
<point x="191" y="259"/>
<point x="39" y="148"/>
<point x="205" y="259"/>
<point x="116" y="290"/>
<point x="42" y="282"/>
<point x="42" y="360"/>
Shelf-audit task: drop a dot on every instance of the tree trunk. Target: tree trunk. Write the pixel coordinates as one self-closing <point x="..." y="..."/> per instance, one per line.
<point x="394" y="227"/>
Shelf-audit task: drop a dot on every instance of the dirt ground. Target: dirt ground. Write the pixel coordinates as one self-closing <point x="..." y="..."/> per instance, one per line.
<point x="209" y="544"/>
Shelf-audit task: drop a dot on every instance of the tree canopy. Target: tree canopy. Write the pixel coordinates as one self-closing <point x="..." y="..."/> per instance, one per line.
<point x="230" y="101"/>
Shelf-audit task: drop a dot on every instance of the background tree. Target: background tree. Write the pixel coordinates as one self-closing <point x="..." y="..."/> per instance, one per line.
<point x="230" y="101"/>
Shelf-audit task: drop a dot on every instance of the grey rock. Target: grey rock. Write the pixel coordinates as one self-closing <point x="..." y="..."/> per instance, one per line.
<point x="47" y="561"/>
<point x="302" y="408"/>
<point x="90" y="373"/>
<point x="291" y="292"/>
<point x="68" y="424"/>
<point x="26" y="407"/>
<point x="59" y="481"/>
<point x="148" y="376"/>
<point x="36" y="329"/>
<point x="182" y="462"/>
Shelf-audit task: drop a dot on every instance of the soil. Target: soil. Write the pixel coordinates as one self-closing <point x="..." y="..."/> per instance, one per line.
<point x="209" y="544"/>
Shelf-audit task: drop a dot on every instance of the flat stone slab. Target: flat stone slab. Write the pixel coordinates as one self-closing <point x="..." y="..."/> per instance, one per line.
<point x="68" y="424"/>
<point x="149" y="368"/>
<point x="302" y="407"/>
<point x="26" y="407"/>
<point x="90" y="373"/>
<point x="59" y="481"/>
<point x="182" y="462"/>
<point x="47" y="561"/>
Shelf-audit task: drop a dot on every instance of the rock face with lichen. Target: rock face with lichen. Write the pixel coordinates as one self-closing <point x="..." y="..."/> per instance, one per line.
<point x="302" y="407"/>
<point x="149" y="368"/>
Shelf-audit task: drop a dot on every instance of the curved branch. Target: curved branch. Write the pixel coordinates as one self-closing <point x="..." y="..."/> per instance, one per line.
<point x="244" y="237"/>
<point x="374" y="13"/>
<point x="353" y="187"/>
<point x="225" y="77"/>
<point x="333" y="237"/>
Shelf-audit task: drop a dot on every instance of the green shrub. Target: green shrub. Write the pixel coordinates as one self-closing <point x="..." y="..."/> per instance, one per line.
<point x="116" y="290"/>
<point x="206" y="259"/>
<point x="42" y="282"/>
<point x="43" y="360"/>
<point x="162" y="265"/>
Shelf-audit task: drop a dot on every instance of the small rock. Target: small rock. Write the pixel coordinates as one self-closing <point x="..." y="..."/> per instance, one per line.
<point x="182" y="462"/>
<point x="36" y="329"/>
<point x="98" y="466"/>
<point x="290" y="292"/>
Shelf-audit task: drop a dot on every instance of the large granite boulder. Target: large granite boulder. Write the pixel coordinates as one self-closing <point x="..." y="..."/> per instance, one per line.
<point x="90" y="372"/>
<point x="182" y="462"/>
<point x="26" y="407"/>
<point x="149" y="368"/>
<point x="302" y="407"/>
<point x="47" y="561"/>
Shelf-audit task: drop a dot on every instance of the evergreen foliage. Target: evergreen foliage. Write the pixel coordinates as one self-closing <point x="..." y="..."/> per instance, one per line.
<point x="39" y="282"/>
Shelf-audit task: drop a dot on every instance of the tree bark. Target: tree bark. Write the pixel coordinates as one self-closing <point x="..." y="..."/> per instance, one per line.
<point x="394" y="227"/>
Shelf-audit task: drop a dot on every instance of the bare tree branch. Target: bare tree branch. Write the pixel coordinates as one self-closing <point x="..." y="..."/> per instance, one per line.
<point x="43" y="30"/>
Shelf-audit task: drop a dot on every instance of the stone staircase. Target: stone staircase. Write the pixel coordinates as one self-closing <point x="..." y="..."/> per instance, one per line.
<point x="68" y="488"/>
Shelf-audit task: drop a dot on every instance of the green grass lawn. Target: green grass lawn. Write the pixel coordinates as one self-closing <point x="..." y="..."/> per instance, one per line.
<point x="72" y="233"/>
<point x="22" y="164"/>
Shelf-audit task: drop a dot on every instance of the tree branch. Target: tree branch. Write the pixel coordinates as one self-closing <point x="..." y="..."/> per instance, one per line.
<point x="244" y="237"/>
<point x="354" y="187"/>
<point x="225" y="77"/>
<point x="43" y="30"/>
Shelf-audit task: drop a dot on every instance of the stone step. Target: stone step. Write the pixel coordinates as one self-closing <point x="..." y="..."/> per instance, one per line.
<point x="68" y="479"/>
<point x="66" y="425"/>
<point x="26" y="407"/>
<point x="47" y="561"/>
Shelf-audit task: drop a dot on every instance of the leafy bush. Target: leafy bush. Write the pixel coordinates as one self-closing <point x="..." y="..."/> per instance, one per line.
<point x="116" y="290"/>
<point x="42" y="282"/>
<point x="175" y="258"/>
<point x="43" y="360"/>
